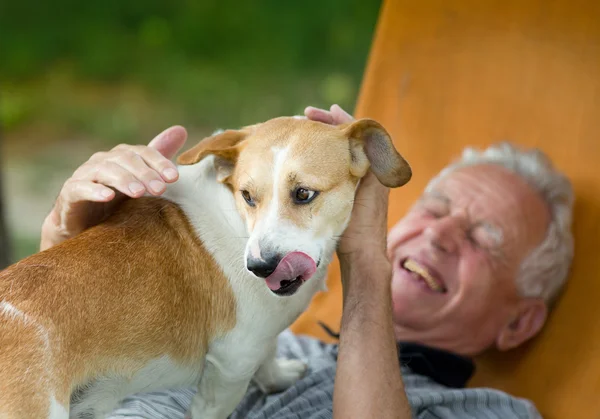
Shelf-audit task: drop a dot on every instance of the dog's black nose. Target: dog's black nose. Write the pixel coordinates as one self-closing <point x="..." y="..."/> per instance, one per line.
<point x="263" y="267"/>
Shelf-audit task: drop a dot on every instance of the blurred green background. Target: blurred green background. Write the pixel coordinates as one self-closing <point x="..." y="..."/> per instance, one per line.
<point x="78" y="77"/>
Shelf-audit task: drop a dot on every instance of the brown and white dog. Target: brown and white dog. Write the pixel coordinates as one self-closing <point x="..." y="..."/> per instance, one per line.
<point x="192" y="288"/>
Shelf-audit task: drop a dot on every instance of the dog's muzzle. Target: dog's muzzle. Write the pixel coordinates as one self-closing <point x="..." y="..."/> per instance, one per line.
<point x="284" y="276"/>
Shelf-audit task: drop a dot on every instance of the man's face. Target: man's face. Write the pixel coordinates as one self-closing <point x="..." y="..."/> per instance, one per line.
<point x="456" y="256"/>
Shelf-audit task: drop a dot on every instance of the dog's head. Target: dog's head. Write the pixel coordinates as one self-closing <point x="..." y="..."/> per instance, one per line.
<point x="294" y="182"/>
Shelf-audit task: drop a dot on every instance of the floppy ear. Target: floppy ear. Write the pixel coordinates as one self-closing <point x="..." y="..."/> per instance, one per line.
<point x="224" y="146"/>
<point x="371" y="145"/>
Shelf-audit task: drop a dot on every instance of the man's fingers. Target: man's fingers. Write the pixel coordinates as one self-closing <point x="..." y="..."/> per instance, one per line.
<point x="115" y="176"/>
<point x="164" y="168"/>
<point x="334" y="116"/>
<point x="339" y="115"/>
<point x="75" y="191"/>
<point x="126" y="164"/>
<point x="170" y="141"/>
<point x="135" y="165"/>
<point x="320" y="115"/>
<point x="147" y="165"/>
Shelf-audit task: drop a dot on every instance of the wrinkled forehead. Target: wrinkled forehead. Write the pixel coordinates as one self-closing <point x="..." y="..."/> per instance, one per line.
<point x="489" y="187"/>
<point x="491" y="193"/>
<point x="300" y="151"/>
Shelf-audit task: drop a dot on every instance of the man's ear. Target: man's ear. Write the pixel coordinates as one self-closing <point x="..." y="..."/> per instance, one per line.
<point x="526" y="323"/>
<point x="224" y="146"/>
<point x="371" y="145"/>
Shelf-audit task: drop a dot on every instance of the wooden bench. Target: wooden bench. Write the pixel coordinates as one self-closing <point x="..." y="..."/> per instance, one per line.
<point x="443" y="75"/>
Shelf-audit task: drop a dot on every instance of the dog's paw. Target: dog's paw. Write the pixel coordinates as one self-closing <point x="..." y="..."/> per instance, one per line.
<point x="291" y="371"/>
<point x="280" y="375"/>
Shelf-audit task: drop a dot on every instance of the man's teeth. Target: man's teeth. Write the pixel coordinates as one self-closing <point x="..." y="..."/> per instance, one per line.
<point x="413" y="266"/>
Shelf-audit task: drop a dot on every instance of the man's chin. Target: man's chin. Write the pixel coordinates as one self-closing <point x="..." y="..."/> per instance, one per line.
<point x="409" y="315"/>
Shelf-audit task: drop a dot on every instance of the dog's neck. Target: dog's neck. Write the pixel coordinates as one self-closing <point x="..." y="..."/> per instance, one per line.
<point x="211" y="209"/>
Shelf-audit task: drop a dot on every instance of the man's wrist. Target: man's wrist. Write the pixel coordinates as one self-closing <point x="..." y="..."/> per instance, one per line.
<point x="359" y="266"/>
<point x="365" y="277"/>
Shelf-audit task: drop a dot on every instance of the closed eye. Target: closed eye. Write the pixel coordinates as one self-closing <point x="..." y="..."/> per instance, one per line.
<point x="485" y="236"/>
<point x="435" y="207"/>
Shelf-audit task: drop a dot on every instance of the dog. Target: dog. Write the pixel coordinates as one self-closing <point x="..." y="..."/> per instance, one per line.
<point x="193" y="287"/>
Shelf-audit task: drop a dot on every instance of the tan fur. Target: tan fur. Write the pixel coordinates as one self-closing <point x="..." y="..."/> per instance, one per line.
<point x="328" y="159"/>
<point x="135" y="288"/>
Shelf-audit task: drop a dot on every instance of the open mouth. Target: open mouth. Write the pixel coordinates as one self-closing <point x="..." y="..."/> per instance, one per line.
<point x="423" y="274"/>
<point x="289" y="286"/>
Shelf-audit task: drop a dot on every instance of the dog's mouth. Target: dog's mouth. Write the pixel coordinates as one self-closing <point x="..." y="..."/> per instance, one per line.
<point x="289" y="286"/>
<point x="291" y="272"/>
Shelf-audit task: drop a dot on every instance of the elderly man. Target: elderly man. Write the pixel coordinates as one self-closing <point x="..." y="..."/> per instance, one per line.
<point x="475" y="264"/>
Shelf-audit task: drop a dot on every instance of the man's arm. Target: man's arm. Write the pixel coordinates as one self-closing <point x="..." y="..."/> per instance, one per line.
<point x="368" y="383"/>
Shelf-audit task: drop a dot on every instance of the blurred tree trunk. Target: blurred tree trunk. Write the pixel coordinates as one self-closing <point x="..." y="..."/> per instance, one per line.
<point x="5" y="251"/>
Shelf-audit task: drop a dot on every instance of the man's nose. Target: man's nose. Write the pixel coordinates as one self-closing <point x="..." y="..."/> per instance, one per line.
<point x="445" y="233"/>
<point x="264" y="266"/>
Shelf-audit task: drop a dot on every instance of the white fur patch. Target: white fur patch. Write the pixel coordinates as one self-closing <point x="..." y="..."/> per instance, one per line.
<point x="279" y="159"/>
<point x="10" y="311"/>
<point x="57" y="410"/>
<point x="13" y="313"/>
<point x="270" y="220"/>
<point x="254" y="250"/>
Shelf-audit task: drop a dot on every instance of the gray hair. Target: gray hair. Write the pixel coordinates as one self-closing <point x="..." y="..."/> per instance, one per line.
<point x="545" y="270"/>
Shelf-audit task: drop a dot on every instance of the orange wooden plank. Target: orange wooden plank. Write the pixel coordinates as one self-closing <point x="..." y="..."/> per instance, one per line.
<point x="443" y="75"/>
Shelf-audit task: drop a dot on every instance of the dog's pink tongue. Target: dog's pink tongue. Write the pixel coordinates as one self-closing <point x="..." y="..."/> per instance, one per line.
<point x="293" y="265"/>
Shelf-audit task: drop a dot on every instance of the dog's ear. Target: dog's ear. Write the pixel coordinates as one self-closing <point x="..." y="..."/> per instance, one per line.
<point x="223" y="145"/>
<point x="371" y="145"/>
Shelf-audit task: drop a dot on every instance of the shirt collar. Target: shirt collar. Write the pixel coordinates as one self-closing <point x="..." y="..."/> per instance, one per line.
<point x="444" y="367"/>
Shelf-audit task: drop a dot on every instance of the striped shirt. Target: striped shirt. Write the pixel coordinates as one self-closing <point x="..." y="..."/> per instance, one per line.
<point x="431" y="395"/>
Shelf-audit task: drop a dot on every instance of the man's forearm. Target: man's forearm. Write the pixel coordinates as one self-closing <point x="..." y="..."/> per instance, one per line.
<point x="368" y="382"/>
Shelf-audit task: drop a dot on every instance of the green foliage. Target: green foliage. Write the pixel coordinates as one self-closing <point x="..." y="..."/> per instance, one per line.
<point x="110" y="38"/>
<point x="156" y="41"/>
<point x="82" y="76"/>
<point x="233" y="52"/>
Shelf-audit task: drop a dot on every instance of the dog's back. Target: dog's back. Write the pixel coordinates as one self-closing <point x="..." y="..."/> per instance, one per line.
<point x="106" y="302"/>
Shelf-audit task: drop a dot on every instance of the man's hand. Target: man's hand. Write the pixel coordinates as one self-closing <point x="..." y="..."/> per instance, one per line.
<point x="334" y="116"/>
<point x="107" y="178"/>
<point x="365" y="236"/>
<point x="368" y="383"/>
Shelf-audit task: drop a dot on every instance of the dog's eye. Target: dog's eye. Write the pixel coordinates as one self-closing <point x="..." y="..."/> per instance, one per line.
<point x="304" y="196"/>
<point x="248" y="198"/>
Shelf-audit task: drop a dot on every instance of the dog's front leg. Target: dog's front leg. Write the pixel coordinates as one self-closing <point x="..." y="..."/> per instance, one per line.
<point x="219" y="392"/>
<point x="277" y="374"/>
